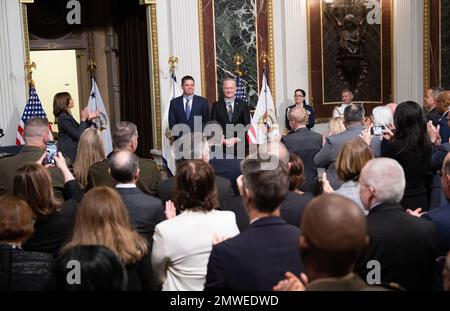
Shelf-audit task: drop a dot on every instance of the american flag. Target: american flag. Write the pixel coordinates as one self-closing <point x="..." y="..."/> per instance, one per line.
<point x="241" y="92"/>
<point x="33" y="108"/>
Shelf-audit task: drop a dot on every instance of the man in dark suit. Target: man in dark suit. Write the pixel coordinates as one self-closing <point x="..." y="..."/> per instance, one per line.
<point x="125" y="138"/>
<point x="326" y="157"/>
<point x="334" y="233"/>
<point x="231" y="112"/>
<point x="430" y="102"/>
<point x="257" y="258"/>
<point x="188" y="147"/>
<point x="403" y="245"/>
<point x="185" y="108"/>
<point x="145" y="211"/>
<point x="306" y="144"/>
<point x="36" y="135"/>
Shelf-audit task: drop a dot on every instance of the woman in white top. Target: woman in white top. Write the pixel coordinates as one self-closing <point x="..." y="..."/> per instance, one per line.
<point x="182" y="244"/>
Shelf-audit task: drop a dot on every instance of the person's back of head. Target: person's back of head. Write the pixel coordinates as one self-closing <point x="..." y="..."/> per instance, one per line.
<point x="352" y="157"/>
<point x="99" y="269"/>
<point x="353" y="114"/>
<point x="90" y="151"/>
<point x="382" y="116"/>
<point x="410" y="125"/>
<point x="193" y="146"/>
<point x="264" y="188"/>
<point x="382" y="180"/>
<point x="36" y="132"/>
<point x="273" y="149"/>
<point x="443" y="102"/>
<point x="102" y="219"/>
<point x="296" y="172"/>
<point x="32" y="183"/>
<point x="334" y="233"/>
<point x="125" y="136"/>
<point x="196" y="187"/>
<point x="124" y="167"/>
<point x="299" y="116"/>
<point x="16" y="220"/>
<point x="336" y="126"/>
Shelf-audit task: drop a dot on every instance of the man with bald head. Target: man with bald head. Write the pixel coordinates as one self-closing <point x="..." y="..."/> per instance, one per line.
<point x="404" y="245"/>
<point x="306" y="144"/>
<point x="144" y="211"/>
<point x="36" y="135"/>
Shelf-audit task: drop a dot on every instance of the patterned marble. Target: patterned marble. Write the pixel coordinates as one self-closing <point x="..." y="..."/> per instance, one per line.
<point x="235" y="30"/>
<point x="445" y="41"/>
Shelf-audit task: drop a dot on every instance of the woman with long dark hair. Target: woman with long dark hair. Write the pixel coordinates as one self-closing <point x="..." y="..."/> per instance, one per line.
<point x="411" y="147"/>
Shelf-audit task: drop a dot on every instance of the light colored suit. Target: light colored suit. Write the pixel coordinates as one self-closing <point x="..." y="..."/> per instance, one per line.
<point x="326" y="157"/>
<point x="182" y="245"/>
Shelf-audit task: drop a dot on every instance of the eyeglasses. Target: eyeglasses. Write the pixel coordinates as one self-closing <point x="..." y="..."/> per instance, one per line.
<point x="296" y="96"/>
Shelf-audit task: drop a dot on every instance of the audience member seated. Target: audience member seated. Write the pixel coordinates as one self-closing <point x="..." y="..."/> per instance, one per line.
<point x="306" y="144"/>
<point x="334" y="234"/>
<point x="182" y="244"/>
<point x="36" y="135"/>
<point x="405" y="246"/>
<point x="125" y="138"/>
<point x="144" y="211"/>
<point x="102" y="219"/>
<point x="411" y="147"/>
<point x="351" y="159"/>
<point x="193" y="146"/>
<point x="20" y="270"/>
<point x="90" y="151"/>
<point x="54" y="218"/>
<point x="440" y="216"/>
<point x="292" y="208"/>
<point x="257" y="258"/>
<point x="326" y="158"/>
<point x="100" y="270"/>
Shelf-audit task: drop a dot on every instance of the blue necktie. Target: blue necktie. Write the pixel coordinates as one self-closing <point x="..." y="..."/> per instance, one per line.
<point x="188" y="108"/>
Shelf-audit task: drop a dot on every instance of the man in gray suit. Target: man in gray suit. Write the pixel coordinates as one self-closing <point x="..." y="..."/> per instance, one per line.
<point x="306" y="144"/>
<point x="326" y="157"/>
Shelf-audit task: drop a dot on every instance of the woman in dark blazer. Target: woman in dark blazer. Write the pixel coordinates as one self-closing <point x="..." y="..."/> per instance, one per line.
<point x="69" y="129"/>
<point x="300" y="101"/>
<point x="411" y="147"/>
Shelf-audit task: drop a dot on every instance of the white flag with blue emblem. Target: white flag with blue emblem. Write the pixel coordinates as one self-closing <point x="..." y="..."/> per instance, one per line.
<point x="167" y="154"/>
<point x="102" y="123"/>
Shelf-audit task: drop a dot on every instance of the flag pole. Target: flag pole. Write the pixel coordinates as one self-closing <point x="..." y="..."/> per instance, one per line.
<point x="267" y="125"/>
<point x="173" y="62"/>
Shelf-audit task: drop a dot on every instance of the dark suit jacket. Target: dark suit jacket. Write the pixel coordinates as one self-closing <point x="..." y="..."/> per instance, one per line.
<point x="167" y="188"/>
<point x="309" y="110"/>
<point x="177" y="115"/>
<point x="235" y="205"/>
<point x="241" y="114"/>
<point x="434" y="116"/>
<point x="69" y="134"/>
<point x="326" y="157"/>
<point x="441" y="220"/>
<point x="229" y="169"/>
<point x="29" y="154"/>
<point x="148" y="181"/>
<point x="292" y="208"/>
<point x="53" y="231"/>
<point x="444" y="130"/>
<point x="144" y="211"/>
<point x="306" y="145"/>
<point x="256" y="259"/>
<point x="404" y="245"/>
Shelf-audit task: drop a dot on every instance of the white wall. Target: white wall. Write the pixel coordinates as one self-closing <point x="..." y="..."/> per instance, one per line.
<point x="291" y="52"/>
<point x="12" y="75"/>
<point x="408" y="50"/>
<point x="178" y="35"/>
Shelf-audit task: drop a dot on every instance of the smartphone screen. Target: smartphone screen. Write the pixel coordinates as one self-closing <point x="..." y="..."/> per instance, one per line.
<point x="377" y="130"/>
<point x="50" y="153"/>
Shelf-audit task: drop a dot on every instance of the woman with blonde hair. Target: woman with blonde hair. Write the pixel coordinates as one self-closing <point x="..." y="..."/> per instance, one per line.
<point x="336" y="126"/>
<point x="352" y="157"/>
<point x="102" y="219"/>
<point x="90" y="151"/>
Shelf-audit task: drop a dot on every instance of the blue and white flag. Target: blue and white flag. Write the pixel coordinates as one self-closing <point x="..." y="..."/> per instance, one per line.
<point x="96" y="104"/>
<point x="167" y="153"/>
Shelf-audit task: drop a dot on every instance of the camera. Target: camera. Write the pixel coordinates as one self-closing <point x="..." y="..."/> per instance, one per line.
<point x="377" y="130"/>
<point x="51" y="151"/>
